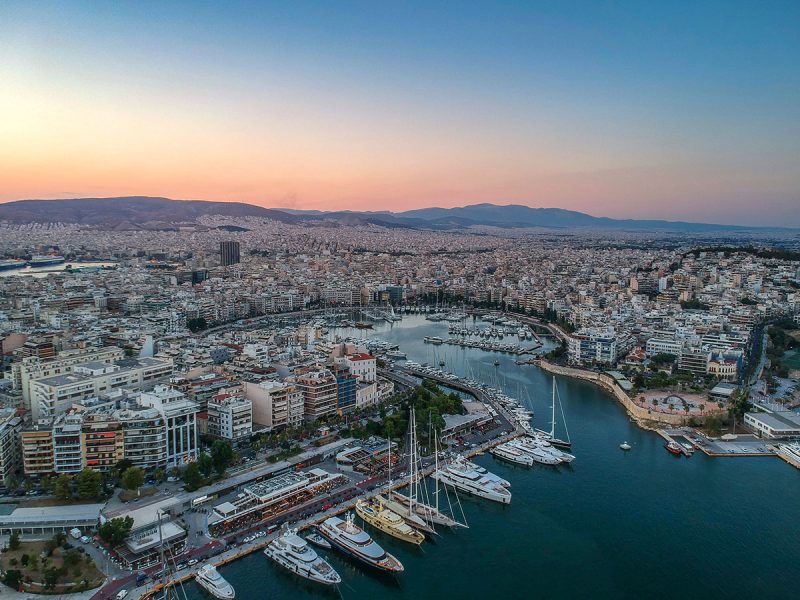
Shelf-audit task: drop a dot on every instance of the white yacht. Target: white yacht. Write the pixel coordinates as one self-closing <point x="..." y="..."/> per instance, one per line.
<point x="293" y="553"/>
<point x="790" y="453"/>
<point x="486" y="473"/>
<point x="538" y="453"/>
<point x="211" y="581"/>
<point x="460" y="474"/>
<point x="512" y="454"/>
<point x="349" y="538"/>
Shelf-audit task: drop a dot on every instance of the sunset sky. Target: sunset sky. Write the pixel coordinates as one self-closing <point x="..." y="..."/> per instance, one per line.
<point x="675" y="110"/>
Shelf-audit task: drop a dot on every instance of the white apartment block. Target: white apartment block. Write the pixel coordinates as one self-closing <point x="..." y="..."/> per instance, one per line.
<point x="180" y="415"/>
<point x="52" y="396"/>
<point x="593" y="345"/>
<point x="230" y="417"/>
<point x="23" y="372"/>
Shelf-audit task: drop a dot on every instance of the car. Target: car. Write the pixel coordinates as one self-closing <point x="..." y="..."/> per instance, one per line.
<point x="85" y="539"/>
<point x="121" y="594"/>
<point x="192" y="562"/>
<point x="180" y="566"/>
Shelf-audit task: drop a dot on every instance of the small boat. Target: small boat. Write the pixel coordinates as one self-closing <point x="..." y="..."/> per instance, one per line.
<point x="363" y="325"/>
<point x="673" y="448"/>
<point x="625" y="446"/>
<point x="318" y="540"/>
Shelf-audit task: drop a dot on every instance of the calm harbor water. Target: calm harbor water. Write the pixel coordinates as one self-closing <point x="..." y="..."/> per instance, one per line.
<point x="642" y="524"/>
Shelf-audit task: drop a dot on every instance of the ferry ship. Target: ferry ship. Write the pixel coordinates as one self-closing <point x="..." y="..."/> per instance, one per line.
<point x="459" y="474"/>
<point x="211" y="581"/>
<point x="294" y="554"/>
<point x="388" y="521"/>
<point x="350" y="539"/>
<point x="8" y="265"/>
<point x="790" y="453"/>
<point x="45" y="261"/>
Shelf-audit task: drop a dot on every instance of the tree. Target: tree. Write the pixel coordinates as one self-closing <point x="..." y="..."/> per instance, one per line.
<point x="132" y="478"/>
<point x="51" y="577"/>
<point x="159" y="475"/>
<point x="13" y="541"/>
<point x="221" y="455"/>
<point x="205" y="464"/>
<point x="33" y="563"/>
<point x="12" y="484"/>
<point x="115" y="530"/>
<point x="123" y="466"/>
<point x="192" y="477"/>
<point x="739" y="403"/>
<point x="61" y="488"/>
<point x="13" y="579"/>
<point x="89" y="483"/>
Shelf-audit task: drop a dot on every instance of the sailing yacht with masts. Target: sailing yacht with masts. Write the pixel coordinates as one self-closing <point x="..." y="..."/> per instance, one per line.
<point x="550" y="436"/>
<point x="417" y="513"/>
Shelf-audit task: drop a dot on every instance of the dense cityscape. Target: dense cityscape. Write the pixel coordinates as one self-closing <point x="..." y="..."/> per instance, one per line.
<point x="223" y="379"/>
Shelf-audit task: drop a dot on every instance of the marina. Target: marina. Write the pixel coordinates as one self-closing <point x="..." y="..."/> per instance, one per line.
<point x="539" y="509"/>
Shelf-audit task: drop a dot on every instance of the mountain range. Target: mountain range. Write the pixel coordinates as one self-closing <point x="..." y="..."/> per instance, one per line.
<point x="146" y="212"/>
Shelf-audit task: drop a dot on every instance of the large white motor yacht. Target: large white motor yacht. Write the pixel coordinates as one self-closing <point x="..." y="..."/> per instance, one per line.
<point x="293" y="553"/>
<point x="460" y="474"/>
<point x="349" y="538"/>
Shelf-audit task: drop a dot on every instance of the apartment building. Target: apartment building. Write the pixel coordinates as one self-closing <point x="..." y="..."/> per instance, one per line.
<point x="54" y="395"/>
<point x="67" y="444"/>
<point x="144" y="436"/>
<point x="230" y="417"/>
<point x="593" y="345"/>
<point x="180" y="416"/>
<point x="276" y="404"/>
<point x="10" y="452"/>
<point x="319" y="394"/>
<point x="29" y="368"/>
<point x="103" y="441"/>
<point x="37" y="450"/>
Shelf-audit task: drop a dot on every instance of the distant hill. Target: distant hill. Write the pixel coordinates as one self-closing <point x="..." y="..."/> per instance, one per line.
<point x="154" y="213"/>
<point x="130" y="211"/>
<point x="516" y="215"/>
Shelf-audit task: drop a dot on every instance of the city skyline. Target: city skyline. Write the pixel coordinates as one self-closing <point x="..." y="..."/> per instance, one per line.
<point x="679" y="112"/>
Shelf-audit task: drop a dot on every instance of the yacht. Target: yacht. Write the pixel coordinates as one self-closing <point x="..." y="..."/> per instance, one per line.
<point x="395" y="354"/>
<point x="460" y="474"/>
<point x="423" y="512"/>
<point x="294" y="554"/>
<point x="673" y="448"/>
<point x="353" y="541"/>
<point x="537" y="453"/>
<point x="211" y="581"/>
<point x="403" y="508"/>
<point x="318" y="540"/>
<point x="388" y="521"/>
<point x="790" y="453"/>
<point x="512" y="454"/>
<point x="548" y="447"/>
<point x="486" y="473"/>
<point x="625" y="446"/>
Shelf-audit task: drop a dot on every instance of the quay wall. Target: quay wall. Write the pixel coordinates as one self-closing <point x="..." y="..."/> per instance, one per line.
<point x="610" y="385"/>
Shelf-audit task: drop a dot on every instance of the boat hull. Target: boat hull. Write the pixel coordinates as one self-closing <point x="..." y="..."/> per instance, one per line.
<point x="472" y="490"/>
<point x="299" y="570"/>
<point x="380" y="524"/>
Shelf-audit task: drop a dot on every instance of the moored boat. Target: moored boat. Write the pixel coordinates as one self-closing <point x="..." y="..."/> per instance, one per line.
<point x="295" y="555"/>
<point x="673" y="448"/>
<point x="350" y="539"/>
<point x="215" y="584"/>
<point x="387" y="521"/>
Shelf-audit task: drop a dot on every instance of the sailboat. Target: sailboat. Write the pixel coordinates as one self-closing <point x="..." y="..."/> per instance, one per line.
<point x="550" y="436"/>
<point x="418" y="514"/>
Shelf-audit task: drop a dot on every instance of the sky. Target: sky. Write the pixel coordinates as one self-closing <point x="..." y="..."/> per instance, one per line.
<point x="641" y="109"/>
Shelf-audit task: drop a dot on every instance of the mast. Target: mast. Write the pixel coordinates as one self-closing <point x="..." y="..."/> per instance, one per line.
<point x="553" y="406"/>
